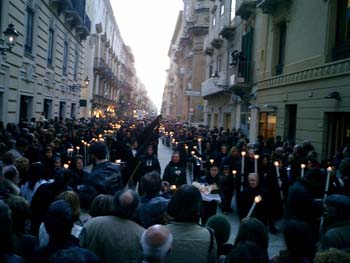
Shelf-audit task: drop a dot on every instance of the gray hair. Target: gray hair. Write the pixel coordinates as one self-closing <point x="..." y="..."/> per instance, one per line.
<point x="156" y="242"/>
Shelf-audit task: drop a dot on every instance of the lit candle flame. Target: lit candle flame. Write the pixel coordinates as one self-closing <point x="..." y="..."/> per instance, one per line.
<point x="66" y="166"/>
<point x="234" y="172"/>
<point x="256" y="157"/>
<point x="211" y="161"/>
<point x="257" y="199"/>
<point x="329" y="169"/>
<point x="118" y="161"/>
<point x="243" y="153"/>
<point x="276" y="163"/>
<point x="302" y="166"/>
<point x="173" y="187"/>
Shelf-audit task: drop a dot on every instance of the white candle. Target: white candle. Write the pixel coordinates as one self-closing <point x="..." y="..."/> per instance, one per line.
<point x="276" y="163"/>
<point x="211" y="161"/>
<point x="186" y="149"/>
<point x="200" y="145"/>
<point x="302" y="166"/>
<point x="200" y="160"/>
<point x="243" y="156"/>
<point x="256" y="157"/>
<point x="257" y="199"/>
<point x="277" y="168"/>
<point x="329" y="172"/>
<point x="234" y="172"/>
<point x="78" y="148"/>
<point x="66" y="166"/>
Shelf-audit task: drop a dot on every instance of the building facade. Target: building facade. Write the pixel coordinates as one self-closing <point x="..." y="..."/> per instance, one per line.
<point x="303" y="72"/>
<point x="43" y="72"/>
<point x="188" y="62"/>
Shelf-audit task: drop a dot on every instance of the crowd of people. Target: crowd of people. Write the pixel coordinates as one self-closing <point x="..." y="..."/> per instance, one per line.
<point x="94" y="191"/>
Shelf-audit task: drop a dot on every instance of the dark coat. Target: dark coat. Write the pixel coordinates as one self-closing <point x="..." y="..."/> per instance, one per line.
<point x="175" y="174"/>
<point x="106" y="178"/>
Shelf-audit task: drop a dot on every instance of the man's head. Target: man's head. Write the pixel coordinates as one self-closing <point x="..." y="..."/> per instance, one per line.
<point x="175" y="157"/>
<point x="59" y="221"/>
<point x="253" y="180"/>
<point x="126" y="203"/>
<point x="156" y="243"/>
<point x="214" y="171"/>
<point x="185" y="205"/>
<point x="151" y="183"/>
<point x="338" y="208"/>
<point x="98" y="151"/>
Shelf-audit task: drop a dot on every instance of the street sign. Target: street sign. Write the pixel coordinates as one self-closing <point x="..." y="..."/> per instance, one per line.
<point x="192" y="93"/>
<point x="200" y="107"/>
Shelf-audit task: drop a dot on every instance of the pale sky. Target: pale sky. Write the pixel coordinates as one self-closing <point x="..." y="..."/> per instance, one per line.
<point x="147" y="27"/>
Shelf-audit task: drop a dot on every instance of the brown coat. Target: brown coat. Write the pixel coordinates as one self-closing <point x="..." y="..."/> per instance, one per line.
<point x="113" y="239"/>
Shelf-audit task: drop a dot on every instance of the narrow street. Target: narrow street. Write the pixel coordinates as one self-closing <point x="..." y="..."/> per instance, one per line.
<point x="276" y="242"/>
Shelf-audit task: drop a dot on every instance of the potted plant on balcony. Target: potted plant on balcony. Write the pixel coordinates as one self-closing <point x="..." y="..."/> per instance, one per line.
<point x="217" y="43"/>
<point x="209" y="51"/>
<point x="228" y="32"/>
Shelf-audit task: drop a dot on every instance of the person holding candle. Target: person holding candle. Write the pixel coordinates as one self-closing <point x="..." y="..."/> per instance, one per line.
<point x="227" y="188"/>
<point x="175" y="171"/>
<point x="247" y="198"/>
<point x="234" y="161"/>
<point x="79" y="175"/>
<point x="211" y="179"/>
<point x="149" y="162"/>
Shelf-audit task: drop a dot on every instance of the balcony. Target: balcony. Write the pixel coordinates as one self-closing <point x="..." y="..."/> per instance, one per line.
<point x="84" y="29"/>
<point x="245" y="8"/>
<point x="228" y="32"/>
<point x="269" y="6"/>
<point x="209" y="88"/>
<point x="241" y="74"/>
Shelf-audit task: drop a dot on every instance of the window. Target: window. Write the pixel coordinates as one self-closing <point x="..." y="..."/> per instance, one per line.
<point x="281" y="48"/>
<point x="50" y="47"/>
<point x="219" y="64"/>
<point x="222" y="10"/>
<point x="76" y="63"/>
<point x="65" y="57"/>
<point x="28" y="46"/>
<point x="210" y="71"/>
<point x="267" y="124"/>
<point x="342" y="39"/>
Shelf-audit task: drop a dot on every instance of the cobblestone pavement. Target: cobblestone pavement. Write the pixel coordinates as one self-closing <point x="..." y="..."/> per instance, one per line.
<point x="276" y="242"/>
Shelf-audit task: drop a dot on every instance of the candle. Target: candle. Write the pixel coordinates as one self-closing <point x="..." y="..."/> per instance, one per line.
<point x="234" y="172"/>
<point x="70" y="152"/>
<point x="118" y="161"/>
<point x="211" y="161"/>
<point x="302" y="166"/>
<point x="186" y="148"/>
<point x="276" y="163"/>
<point x="192" y="152"/>
<point x="200" y="160"/>
<point x="78" y="148"/>
<point x="329" y="172"/>
<point x="85" y="161"/>
<point x="66" y="166"/>
<point x="277" y="168"/>
<point x="257" y="199"/>
<point x="173" y="187"/>
<point x="200" y="145"/>
<point x="256" y="157"/>
<point x="243" y="156"/>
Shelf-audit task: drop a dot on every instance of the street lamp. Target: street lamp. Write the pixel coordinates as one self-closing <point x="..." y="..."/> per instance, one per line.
<point x="86" y="81"/>
<point x="11" y="35"/>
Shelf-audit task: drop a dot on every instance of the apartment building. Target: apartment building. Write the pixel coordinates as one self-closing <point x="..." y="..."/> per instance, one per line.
<point x="43" y="71"/>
